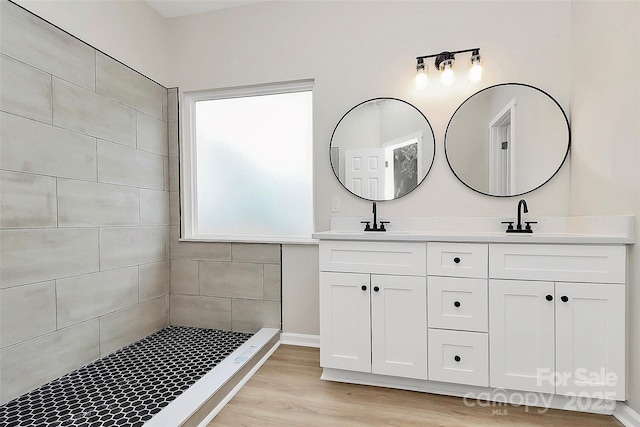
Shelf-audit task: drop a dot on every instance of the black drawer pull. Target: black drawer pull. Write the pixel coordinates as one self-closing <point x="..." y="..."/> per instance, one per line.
<point x="456" y="304"/>
<point x="456" y="260"/>
<point x="364" y="287"/>
<point x="564" y="298"/>
<point x="549" y="297"/>
<point x="457" y="358"/>
<point x="376" y="289"/>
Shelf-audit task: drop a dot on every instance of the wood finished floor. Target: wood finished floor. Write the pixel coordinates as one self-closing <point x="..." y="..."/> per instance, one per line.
<point x="287" y="391"/>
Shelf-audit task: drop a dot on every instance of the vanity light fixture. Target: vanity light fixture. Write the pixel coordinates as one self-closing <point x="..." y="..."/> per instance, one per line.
<point x="444" y="61"/>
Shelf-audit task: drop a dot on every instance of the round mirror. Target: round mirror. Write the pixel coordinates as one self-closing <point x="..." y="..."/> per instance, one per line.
<point x="507" y="140"/>
<point x="382" y="149"/>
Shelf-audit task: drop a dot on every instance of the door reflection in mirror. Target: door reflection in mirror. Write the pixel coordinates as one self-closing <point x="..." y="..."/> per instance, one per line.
<point x="382" y="149"/>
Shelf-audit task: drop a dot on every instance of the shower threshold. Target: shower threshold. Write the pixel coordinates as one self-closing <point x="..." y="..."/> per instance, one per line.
<point x="178" y="376"/>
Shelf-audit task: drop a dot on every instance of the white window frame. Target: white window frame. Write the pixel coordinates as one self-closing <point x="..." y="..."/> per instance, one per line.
<point x="188" y="172"/>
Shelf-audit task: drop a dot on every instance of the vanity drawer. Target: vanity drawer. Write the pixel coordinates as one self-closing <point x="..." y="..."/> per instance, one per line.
<point x="568" y="263"/>
<point x="457" y="303"/>
<point x="458" y="357"/>
<point x="457" y="259"/>
<point x="408" y="259"/>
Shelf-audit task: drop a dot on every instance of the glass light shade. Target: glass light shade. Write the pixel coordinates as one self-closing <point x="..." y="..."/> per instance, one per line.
<point x="447" y="76"/>
<point x="421" y="80"/>
<point x="475" y="69"/>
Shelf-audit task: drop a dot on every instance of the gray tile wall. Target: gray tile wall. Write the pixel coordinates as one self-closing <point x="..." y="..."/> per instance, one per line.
<point x="84" y="206"/>
<point x="218" y="285"/>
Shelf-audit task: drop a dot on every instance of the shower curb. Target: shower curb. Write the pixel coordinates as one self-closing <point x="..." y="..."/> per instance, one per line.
<point x="201" y="402"/>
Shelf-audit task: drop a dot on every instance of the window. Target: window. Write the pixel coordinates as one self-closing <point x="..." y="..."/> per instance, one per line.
<point x="246" y="164"/>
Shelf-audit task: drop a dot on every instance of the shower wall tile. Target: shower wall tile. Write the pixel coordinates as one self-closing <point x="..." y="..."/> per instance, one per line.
<point x="83" y="111"/>
<point x="30" y="146"/>
<point x="255" y="252"/>
<point x="26" y="312"/>
<point x="154" y="207"/>
<point x="85" y="204"/>
<point x="200" y="311"/>
<point x="153" y="280"/>
<point x="151" y="134"/>
<point x="131" y="324"/>
<point x="272" y="282"/>
<point x="122" y="165"/>
<point x="29" y="364"/>
<point x="174" y="208"/>
<point x="30" y="40"/>
<point x="37" y="255"/>
<point x="127" y="246"/>
<point x="26" y="91"/>
<point x="27" y="201"/>
<point x="88" y="296"/>
<point x="198" y="250"/>
<point x="172" y="105"/>
<point x="174" y="176"/>
<point x="172" y="137"/>
<point x="231" y="280"/>
<point x="252" y="315"/>
<point x="120" y="83"/>
<point x="84" y="212"/>
<point x="184" y="277"/>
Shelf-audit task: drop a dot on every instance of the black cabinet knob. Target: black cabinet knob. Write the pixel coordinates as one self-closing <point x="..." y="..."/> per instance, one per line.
<point x="456" y="304"/>
<point x="376" y="289"/>
<point x="364" y="287"/>
<point x="456" y="260"/>
<point x="549" y="297"/>
<point x="457" y="358"/>
<point x="564" y="298"/>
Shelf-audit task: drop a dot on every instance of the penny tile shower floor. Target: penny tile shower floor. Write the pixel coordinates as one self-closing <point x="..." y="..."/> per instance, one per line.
<point x="128" y="387"/>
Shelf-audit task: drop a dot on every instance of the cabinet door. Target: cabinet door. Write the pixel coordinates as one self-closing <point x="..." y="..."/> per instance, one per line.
<point x="345" y="327"/>
<point x="590" y="340"/>
<point x="521" y="335"/>
<point x="399" y="326"/>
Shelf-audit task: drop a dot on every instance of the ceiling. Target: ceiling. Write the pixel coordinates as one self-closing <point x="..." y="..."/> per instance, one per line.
<point x="173" y="8"/>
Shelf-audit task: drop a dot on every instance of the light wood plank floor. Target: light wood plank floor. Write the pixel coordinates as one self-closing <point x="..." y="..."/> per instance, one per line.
<point x="287" y="391"/>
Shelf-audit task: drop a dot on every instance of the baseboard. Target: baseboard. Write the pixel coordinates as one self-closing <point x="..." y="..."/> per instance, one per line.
<point x="626" y="415"/>
<point x="302" y="340"/>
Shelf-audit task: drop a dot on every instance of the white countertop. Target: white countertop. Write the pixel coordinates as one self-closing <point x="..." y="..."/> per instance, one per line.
<point x="569" y="230"/>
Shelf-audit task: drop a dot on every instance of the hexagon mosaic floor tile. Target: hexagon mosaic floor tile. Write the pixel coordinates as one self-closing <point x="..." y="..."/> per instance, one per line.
<point x="128" y="387"/>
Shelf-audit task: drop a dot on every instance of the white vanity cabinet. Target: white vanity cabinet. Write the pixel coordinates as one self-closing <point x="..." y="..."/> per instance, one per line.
<point x="508" y="314"/>
<point x="375" y="321"/>
<point x="563" y="333"/>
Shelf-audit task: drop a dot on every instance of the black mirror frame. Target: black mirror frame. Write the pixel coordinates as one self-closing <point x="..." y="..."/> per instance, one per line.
<point x="566" y="154"/>
<point x="364" y="102"/>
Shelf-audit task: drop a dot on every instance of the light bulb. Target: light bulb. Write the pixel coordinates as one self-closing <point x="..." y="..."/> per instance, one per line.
<point x="475" y="68"/>
<point x="421" y="80"/>
<point x="447" y="76"/>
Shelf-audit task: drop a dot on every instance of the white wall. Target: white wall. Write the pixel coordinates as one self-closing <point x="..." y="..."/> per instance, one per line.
<point x="359" y="50"/>
<point x="130" y="31"/>
<point x="605" y="172"/>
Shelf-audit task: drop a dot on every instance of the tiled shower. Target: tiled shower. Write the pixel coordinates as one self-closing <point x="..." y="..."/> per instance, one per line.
<point x="89" y="254"/>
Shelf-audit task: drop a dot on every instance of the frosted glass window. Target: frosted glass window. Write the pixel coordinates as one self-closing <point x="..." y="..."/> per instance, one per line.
<point x="251" y="165"/>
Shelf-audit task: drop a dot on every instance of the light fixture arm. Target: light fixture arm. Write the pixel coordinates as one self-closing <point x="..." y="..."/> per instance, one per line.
<point x="443" y="56"/>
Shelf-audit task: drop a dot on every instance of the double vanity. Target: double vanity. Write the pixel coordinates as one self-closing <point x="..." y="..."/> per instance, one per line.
<point x="531" y="313"/>
<point x="536" y="319"/>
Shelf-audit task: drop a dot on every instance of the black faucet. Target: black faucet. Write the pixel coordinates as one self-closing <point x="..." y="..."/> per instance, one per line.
<point x="375" y="227"/>
<point x="522" y="207"/>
